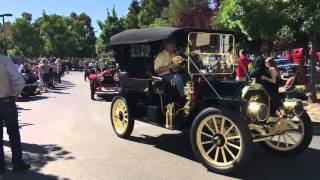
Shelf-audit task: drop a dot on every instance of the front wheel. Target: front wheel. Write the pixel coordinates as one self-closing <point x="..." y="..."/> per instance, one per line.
<point x="121" y="121"/>
<point x="220" y="141"/>
<point x="295" y="138"/>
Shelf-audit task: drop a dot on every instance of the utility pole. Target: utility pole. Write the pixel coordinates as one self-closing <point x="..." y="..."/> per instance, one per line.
<point x="312" y="98"/>
<point x="4" y="34"/>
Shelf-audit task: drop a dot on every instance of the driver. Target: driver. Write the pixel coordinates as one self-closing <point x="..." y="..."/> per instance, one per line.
<point x="164" y="66"/>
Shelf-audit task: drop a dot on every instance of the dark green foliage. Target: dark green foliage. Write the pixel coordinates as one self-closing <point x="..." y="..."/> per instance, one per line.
<point x="111" y="26"/>
<point x="53" y="35"/>
<point x="132" y="20"/>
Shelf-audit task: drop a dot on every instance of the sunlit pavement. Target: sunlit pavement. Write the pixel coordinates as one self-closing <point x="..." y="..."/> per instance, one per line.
<point x="66" y="135"/>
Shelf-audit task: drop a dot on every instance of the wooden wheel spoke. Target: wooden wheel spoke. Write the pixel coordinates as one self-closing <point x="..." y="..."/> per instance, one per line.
<point x="233" y="145"/>
<point x="205" y="134"/>
<point x="209" y="127"/>
<point x="223" y="155"/>
<point x="228" y="130"/>
<point x="230" y="152"/>
<point x="209" y="151"/>
<point x="125" y="119"/>
<point x="278" y="143"/>
<point x="222" y="125"/>
<point x="215" y="125"/>
<point x="290" y="137"/>
<point x="233" y="137"/>
<point x="285" y="141"/>
<point x="217" y="154"/>
<point x="207" y="142"/>
<point x="270" y="138"/>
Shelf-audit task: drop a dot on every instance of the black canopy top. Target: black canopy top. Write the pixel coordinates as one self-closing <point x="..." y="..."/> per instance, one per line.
<point x="132" y="36"/>
<point x="135" y="36"/>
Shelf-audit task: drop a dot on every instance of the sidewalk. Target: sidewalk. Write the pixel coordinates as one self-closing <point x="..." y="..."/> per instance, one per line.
<point x="314" y="111"/>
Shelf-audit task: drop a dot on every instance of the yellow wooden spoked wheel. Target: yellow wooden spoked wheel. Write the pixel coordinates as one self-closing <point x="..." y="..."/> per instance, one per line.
<point x="120" y="119"/>
<point x="289" y="139"/>
<point x="221" y="142"/>
<point x="295" y="135"/>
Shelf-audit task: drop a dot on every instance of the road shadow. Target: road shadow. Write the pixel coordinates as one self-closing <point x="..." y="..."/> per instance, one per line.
<point x="174" y="143"/>
<point x="316" y="128"/>
<point x="38" y="156"/>
<point x="22" y="109"/>
<point x="58" y="89"/>
<point x="266" y="166"/>
<point x="106" y="97"/>
<point x="262" y="165"/>
<point x="33" y="98"/>
<point x="57" y="92"/>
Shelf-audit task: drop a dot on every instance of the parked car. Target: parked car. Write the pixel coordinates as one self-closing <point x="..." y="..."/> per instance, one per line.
<point x="281" y="61"/>
<point x="31" y="85"/>
<point x="104" y="82"/>
<point x="289" y="69"/>
<point x="224" y="117"/>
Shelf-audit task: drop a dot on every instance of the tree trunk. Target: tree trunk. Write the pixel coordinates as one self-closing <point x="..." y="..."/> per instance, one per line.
<point x="313" y="96"/>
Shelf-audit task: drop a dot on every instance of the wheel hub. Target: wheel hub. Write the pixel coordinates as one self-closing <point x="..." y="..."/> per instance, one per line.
<point x="218" y="140"/>
<point x="120" y="116"/>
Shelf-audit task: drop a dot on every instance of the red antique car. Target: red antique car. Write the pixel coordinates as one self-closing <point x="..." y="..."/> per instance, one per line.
<point x="105" y="82"/>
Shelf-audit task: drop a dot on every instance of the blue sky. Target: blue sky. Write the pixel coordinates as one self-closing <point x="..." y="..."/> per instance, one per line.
<point x="96" y="9"/>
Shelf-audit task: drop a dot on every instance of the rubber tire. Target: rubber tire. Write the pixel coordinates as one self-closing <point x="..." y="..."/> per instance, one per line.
<point x="92" y="90"/>
<point x="247" y="145"/>
<point x="299" y="149"/>
<point x="129" y="129"/>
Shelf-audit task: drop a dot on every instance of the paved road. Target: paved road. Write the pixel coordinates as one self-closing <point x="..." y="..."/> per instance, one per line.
<point x="68" y="136"/>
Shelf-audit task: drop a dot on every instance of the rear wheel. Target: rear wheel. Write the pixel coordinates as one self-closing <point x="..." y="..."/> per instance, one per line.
<point x="121" y="121"/>
<point x="221" y="142"/>
<point x="290" y="142"/>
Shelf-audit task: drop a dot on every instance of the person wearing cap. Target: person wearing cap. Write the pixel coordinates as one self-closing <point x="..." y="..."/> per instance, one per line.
<point x="11" y="85"/>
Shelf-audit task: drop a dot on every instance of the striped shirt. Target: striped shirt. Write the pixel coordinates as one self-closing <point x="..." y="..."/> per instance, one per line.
<point x="11" y="81"/>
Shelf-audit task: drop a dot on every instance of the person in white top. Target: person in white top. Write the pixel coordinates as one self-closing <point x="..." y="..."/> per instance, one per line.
<point x="11" y="85"/>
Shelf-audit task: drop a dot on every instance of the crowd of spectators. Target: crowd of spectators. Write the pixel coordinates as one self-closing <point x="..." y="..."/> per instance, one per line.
<point x="48" y="71"/>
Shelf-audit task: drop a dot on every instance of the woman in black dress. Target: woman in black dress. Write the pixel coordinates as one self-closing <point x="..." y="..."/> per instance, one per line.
<point x="272" y="84"/>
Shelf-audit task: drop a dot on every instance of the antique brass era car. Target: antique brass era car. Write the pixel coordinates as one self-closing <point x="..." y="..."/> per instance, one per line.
<point x="105" y="81"/>
<point x="224" y="117"/>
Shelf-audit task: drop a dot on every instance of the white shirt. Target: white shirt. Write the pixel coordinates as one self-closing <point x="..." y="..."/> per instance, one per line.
<point x="11" y="81"/>
<point x="163" y="59"/>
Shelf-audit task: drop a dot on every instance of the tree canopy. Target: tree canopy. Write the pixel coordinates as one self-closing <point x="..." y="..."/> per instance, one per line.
<point x="109" y="27"/>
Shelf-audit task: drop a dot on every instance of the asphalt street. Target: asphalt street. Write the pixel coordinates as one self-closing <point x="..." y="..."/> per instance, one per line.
<point x="66" y="136"/>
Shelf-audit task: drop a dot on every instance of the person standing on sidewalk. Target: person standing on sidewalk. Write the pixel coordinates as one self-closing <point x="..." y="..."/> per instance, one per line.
<point x="242" y="69"/>
<point x="11" y="85"/>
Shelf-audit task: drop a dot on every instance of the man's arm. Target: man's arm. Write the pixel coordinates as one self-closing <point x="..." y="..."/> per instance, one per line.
<point x="17" y="80"/>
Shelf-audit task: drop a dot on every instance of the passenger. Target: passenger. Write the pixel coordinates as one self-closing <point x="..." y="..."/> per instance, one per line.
<point x="272" y="84"/>
<point x="25" y="69"/>
<point x="242" y="67"/>
<point x="259" y="70"/>
<point x="164" y="66"/>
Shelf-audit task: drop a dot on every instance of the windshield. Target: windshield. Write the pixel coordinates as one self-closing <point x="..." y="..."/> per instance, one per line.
<point x="110" y="64"/>
<point x="211" y="53"/>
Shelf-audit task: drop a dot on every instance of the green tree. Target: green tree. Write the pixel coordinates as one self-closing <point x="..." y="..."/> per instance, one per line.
<point x="25" y="38"/>
<point x="258" y="19"/>
<point x="274" y="20"/>
<point x="82" y="34"/>
<point x="132" y="20"/>
<point x="56" y="35"/>
<point x="305" y="17"/>
<point x="111" y="26"/>
<point x="151" y="10"/>
<point x="177" y="7"/>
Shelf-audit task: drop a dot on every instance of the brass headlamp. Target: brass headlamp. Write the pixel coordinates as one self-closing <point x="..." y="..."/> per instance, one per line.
<point x="294" y="107"/>
<point x="258" y="111"/>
